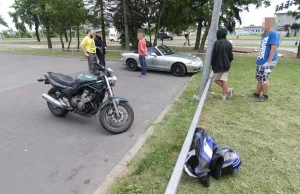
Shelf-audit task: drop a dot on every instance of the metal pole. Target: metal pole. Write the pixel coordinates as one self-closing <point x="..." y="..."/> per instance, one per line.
<point x="177" y="172"/>
<point x="211" y="40"/>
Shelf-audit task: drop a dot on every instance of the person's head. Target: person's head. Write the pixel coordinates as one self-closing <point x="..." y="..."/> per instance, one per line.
<point x="268" y="24"/>
<point x="140" y="35"/>
<point x="90" y="33"/>
<point x="222" y="33"/>
<point x="99" y="33"/>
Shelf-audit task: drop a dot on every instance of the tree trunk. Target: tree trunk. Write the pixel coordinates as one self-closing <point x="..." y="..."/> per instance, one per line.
<point x="204" y="37"/>
<point x="198" y="37"/>
<point x="158" y="23"/>
<point x="70" y="39"/>
<point x="149" y="31"/>
<point x="48" y="34"/>
<point x="298" y="53"/>
<point x="126" y="25"/>
<point x="148" y="21"/>
<point x="37" y="32"/>
<point x="66" y="36"/>
<point x="78" y="43"/>
<point x="102" y="22"/>
<point x="61" y="41"/>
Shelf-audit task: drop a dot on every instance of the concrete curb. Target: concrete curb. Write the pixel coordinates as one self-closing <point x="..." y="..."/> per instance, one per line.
<point x="122" y="165"/>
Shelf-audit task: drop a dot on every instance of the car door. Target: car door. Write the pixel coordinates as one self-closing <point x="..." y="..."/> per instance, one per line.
<point x="149" y="58"/>
<point x="158" y="61"/>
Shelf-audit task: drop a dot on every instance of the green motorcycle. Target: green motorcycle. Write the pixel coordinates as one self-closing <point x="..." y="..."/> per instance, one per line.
<point x="85" y="95"/>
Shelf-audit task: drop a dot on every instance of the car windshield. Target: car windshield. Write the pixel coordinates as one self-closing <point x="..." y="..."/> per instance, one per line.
<point x="165" y="50"/>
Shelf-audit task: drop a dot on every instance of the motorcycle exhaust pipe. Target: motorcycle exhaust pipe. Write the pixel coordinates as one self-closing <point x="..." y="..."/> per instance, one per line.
<point x="52" y="100"/>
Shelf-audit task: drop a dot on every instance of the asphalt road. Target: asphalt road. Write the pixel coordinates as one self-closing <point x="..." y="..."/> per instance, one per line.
<point x="40" y="153"/>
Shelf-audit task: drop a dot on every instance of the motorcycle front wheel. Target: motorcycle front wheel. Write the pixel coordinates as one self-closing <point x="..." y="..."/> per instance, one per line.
<point x="113" y="124"/>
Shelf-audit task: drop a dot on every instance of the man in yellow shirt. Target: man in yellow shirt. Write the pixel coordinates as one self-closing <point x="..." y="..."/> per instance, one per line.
<point x="88" y="47"/>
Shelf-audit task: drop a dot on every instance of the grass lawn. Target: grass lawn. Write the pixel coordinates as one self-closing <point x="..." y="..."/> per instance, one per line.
<point x="266" y="135"/>
<point x="110" y="55"/>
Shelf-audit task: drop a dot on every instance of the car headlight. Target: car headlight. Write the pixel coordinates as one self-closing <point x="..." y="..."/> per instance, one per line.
<point x="195" y="63"/>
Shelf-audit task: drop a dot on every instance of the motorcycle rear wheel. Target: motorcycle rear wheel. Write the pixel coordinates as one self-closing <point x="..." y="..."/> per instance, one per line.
<point x="59" y="112"/>
<point x="115" y="125"/>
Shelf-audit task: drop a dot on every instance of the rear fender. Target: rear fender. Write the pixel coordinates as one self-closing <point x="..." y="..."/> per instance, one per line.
<point x="108" y="102"/>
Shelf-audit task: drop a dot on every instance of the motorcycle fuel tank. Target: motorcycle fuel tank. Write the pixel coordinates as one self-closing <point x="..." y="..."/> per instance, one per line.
<point x="85" y="78"/>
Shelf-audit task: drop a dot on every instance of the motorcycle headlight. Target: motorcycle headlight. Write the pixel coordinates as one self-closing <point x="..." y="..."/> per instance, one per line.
<point x="112" y="80"/>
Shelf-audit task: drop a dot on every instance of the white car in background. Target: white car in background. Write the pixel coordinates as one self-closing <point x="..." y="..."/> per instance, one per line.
<point x="114" y="37"/>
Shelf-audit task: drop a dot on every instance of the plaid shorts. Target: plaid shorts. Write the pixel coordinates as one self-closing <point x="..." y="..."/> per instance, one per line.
<point x="263" y="71"/>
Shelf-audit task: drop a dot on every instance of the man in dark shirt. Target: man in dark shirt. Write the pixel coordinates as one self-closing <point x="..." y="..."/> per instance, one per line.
<point x="221" y="62"/>
<point x="100" y="50"/>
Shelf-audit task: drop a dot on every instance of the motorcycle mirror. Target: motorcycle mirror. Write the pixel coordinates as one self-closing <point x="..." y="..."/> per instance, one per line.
<point x="110" y="70"/>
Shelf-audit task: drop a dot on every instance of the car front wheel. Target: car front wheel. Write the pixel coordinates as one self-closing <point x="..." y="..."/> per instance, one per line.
<point x="178" y="69"/>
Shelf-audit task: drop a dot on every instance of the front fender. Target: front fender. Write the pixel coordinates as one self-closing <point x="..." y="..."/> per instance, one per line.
<point x="108" y="102"/>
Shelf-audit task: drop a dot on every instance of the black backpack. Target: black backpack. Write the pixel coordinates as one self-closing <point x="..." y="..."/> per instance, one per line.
<point x="185" y="35"/>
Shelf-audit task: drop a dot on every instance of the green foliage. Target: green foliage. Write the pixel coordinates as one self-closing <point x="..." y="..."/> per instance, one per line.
<point x="2" y="22"/>
<point x="135" y="16"/>
<point x="25" y="14"/>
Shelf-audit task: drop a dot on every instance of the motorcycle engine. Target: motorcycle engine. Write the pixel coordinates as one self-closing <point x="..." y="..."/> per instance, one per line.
<point x="80" y="101"/>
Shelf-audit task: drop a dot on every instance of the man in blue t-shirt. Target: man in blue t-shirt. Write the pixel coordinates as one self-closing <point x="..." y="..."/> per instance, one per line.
<point x="266" y="61"/>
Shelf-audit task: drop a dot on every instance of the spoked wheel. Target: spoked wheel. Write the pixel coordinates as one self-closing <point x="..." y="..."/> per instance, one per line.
<point x="131" y="65"/>
<point x="178" y="69"/>
<point x="59" y="112"/>
<point x="113" y="124"/>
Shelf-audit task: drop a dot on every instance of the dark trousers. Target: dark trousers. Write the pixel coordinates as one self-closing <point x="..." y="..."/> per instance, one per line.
<point x="101" y="56"/>
<point x="92" y="59"/>
<point x="143" y="64"/>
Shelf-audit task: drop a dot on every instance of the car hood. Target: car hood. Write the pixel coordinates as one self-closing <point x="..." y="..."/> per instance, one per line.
<point x="186" y="56"/>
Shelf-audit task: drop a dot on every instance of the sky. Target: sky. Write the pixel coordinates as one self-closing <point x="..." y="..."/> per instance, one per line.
<point x="254" y="16"/>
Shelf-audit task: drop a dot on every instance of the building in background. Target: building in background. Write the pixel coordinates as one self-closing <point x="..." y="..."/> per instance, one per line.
<point x="282" y="17"/>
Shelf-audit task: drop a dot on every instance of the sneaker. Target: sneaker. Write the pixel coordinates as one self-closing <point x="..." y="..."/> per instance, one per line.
<point x="223" y="97"/>
<point x="255" y="95"/>
<point x="230" y="92"/>
<point x="262" y="99"/>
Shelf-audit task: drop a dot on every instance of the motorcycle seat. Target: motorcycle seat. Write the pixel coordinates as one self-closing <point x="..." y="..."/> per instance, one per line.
<point x="62" y="79"/>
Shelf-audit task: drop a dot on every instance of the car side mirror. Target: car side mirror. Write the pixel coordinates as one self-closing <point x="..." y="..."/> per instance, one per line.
<point x="154" y="54"/>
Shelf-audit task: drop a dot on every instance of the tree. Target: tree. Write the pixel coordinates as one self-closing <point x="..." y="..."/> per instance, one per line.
<point x="134" y="19"/>
<point x="296" y="28"/>
<point x="2" y="22"/>
<point x="125" y="8"/>
<point x="25" y="14"/>
<point x="99" y="12"/>
<point x="64" y="18"/>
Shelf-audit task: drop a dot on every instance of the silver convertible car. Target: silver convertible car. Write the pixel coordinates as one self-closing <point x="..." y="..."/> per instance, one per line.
<point x="162" y="58"/>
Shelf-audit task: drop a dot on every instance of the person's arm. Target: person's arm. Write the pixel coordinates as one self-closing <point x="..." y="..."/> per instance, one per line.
<point x="273" y="41"/>
<point x="141" y="47"/>
<point x="83" y="49"/>
<point x="214" y="55"/>
<point x="272" y="53"/>
<point x="82" y="46"/>
<point x="231" y="54"/>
